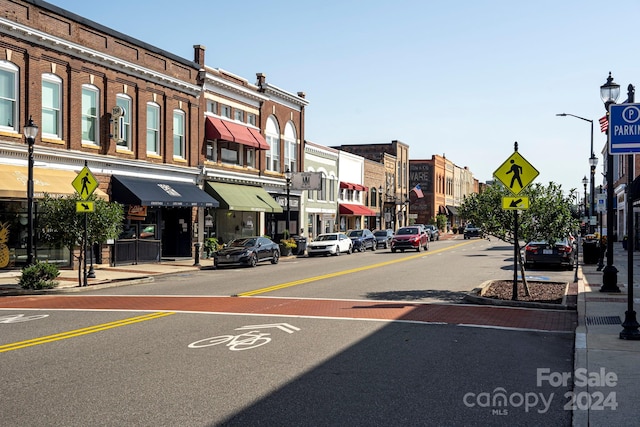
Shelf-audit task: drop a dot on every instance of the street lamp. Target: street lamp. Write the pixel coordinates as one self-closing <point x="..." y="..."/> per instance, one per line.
<point x="287" y="175"/>
<point x="593" y="160"/>
<point x="609" y="92"/>
<point x="600" y="260"/>
<point x="30" y="133"/>
<point x="382" y="224"/>
<point x="584" y="183"/>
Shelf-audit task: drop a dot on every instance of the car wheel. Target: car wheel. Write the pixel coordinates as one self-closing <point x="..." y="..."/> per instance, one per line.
<point x="349" y="251"/>
<point x="374" y="247"/>
<point x="253" y="260"/>
<point x="419" y="248"/>
<point x="276" y="257"/>
<point x="386" y="246"/>
<point x="337" y="251"/>
<point x="393" y="251"/>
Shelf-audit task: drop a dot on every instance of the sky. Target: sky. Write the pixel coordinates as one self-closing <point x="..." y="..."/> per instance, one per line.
<point x="465" y="79"/>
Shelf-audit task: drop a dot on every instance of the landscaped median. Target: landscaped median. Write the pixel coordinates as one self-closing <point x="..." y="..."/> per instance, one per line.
<point x="548" y="295"/>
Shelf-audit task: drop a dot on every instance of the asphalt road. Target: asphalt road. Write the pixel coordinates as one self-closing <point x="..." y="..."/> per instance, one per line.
<point x="140" y="367"/>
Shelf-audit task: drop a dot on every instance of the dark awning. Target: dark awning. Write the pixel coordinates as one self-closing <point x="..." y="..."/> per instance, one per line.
<point x="146" y="192"/>
<point x="236" y="197"/>
<point x="229" y="131"/>
<point x="351" y="209"/>
<point x="453" y="210"/>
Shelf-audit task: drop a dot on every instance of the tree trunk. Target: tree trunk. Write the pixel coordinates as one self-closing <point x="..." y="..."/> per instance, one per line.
<point x="522" y="272"/>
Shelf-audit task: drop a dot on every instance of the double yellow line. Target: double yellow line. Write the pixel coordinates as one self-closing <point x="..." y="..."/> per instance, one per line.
<point x="343" y="272"/>
<point x="80" y="332"/>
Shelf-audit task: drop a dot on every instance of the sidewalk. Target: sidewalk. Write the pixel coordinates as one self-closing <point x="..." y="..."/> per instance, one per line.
<point x="612" y="364"/>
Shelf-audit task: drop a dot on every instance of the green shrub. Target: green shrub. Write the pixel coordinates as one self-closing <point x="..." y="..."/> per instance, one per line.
<point x="39" y="276"/>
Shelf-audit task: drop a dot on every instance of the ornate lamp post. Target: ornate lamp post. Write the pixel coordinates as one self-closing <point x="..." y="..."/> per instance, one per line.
<point x="609" y="92"/>
<point x="382" y="224"/>
<point x="585" y="181"/>
<point x="287" y="175"/>
<point x="30" y="133"/>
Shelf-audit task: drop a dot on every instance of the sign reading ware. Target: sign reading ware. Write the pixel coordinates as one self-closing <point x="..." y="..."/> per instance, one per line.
<point x="85" y="183"/>
<point x="516" y="173"/>
<point x="624" y="128"/>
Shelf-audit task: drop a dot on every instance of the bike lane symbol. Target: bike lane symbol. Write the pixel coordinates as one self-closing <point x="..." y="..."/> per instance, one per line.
<point x="246" y="341"/>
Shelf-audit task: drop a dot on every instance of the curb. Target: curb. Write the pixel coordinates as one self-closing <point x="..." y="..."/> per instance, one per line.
<point x="475" y="298"/>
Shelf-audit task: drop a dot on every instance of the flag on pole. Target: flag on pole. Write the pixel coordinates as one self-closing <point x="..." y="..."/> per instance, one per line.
<point x="418" y="191"/>
<point x="604" y="124"/>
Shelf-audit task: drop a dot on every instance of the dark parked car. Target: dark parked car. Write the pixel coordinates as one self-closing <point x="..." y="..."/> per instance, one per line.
<point x="412" y="237"/>
<point x="471" y="230"/>
<point x="383" y="238"/>
<point x="362" y="240"/>
<point x="247" y="251"/>
<point x="434" y="233"/>
<point x="540" y="252"/>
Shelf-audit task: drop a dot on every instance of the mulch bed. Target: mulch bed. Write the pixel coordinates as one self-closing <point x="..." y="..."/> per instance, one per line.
<point x="545" y="292"/>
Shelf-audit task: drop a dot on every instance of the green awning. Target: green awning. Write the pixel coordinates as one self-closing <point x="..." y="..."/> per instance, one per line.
<point x="237" y="197"/>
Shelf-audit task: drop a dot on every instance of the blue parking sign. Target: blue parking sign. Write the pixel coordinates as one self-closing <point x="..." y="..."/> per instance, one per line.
<point x="624" y="128"/>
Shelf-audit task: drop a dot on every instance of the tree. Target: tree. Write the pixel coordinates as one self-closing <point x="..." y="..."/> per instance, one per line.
<point x="60" y="225"/>
<point x="550" y="216"/>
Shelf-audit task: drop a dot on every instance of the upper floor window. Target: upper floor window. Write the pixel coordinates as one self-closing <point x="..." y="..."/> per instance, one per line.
<point x="272" y="133"/>
<point x="8" y="97"/>
<point x="178" y="133"/>
<point x="251" y="119"/>
<point x="332" y="189"/>
<point x="212" y="107"/>
<point x="238" y="115"/>
<point x="290" y="148"/>
<point x="153" y="128"/>
<point x="225" y="111"/>
<point x="90" y="95"/>
<point x="124" y="139"/>
<point x="51" y="106"/>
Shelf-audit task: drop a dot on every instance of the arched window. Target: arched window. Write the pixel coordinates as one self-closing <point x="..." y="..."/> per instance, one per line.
<point x="290" y="147"/>
<point x="272" y="133"/>
<point x="124" y="140"/>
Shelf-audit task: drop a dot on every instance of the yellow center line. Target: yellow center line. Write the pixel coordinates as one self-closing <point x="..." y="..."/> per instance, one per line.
<point x="80" y="332"/>
<point x="350" y="271"/>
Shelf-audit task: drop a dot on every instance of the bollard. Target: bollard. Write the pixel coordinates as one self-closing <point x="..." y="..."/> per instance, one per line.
<point x="196" y="255"/>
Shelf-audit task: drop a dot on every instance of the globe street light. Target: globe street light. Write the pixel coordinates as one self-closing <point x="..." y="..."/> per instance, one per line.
<point x="609" y="92"/>
<point x="30" y="132"/>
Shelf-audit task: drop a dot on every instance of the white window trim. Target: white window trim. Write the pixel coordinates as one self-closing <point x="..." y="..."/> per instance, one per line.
<point x="54" y="79"/>
<point x="12" y="68"/>
<point x="127" y="121"/>
<point x="97" y="115"/>
<point x="153" y="105"/>
<point x="183" y="148"/>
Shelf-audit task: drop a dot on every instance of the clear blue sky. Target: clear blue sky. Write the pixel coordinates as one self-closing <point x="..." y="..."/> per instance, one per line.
<point x="465" y="79"/>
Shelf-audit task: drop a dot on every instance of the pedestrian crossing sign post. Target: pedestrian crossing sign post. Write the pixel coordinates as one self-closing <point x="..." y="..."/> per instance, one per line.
<point x="515" y="203"/>
<point x="516" y="173"/>
<point x="85" y="183"/>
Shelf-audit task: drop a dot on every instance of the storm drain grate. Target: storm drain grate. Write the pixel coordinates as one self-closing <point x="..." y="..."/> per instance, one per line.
<point x="603" y="320"/>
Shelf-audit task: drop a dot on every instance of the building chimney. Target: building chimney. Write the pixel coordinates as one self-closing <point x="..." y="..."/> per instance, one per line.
<point x="302" y="95"/>
<point x="262" y="79"/>
<point x="198" y="54"/>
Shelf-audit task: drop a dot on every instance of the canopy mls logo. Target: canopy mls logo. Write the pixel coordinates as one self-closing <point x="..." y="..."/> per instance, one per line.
<point x="169" y="190"/>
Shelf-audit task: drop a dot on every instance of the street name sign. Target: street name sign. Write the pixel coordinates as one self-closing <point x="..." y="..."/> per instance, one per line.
<point x="624" y="128"/>
<point x="515" y="203"/>
<point x="85" y="183"/>
<point x="516" y="173"/>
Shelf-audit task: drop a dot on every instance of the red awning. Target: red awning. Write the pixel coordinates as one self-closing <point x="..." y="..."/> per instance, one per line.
<point x="351" y="186"/>
<point x="350" y="209"/>
<point x="228" y="131"/>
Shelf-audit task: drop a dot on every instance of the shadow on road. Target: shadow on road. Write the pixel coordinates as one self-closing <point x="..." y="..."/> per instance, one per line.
<point x="416" y="295"/>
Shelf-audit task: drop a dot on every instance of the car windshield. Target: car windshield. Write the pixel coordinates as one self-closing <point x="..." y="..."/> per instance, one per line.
<point x="355" y="233"/>
<point x="407" y="230"/>
<point x="380" y="233"/>
<point x="323" y="237"/>
<point x="240" y="243"/>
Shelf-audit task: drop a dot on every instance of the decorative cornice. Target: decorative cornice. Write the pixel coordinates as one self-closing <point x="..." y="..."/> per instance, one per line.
<point x="57" y="44"/>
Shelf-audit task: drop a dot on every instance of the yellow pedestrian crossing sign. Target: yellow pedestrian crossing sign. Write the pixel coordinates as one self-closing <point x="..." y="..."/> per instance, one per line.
<point x="516" y="173"/>
<point x="85" y="183"/>
<point x="515" y="203"/>
<point x="85" y="206"/>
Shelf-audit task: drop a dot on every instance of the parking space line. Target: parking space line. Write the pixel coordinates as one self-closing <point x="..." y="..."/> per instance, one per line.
<point x="80" y="332"/>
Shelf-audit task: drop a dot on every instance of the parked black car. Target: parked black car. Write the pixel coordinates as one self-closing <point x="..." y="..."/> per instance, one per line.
<point x="562" y="254"/>
<point x="471" y="230"/>
<point x="362" y="240"/>
<point x="247" y="251"/>
<point x="383" y="238"/>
